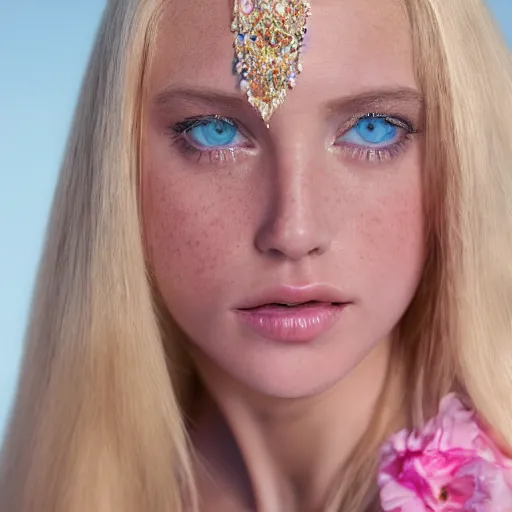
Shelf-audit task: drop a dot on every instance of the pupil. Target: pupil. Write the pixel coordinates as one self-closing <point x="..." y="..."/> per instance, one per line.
<point x="371" y="127"/>
<point x="219" y="128"/>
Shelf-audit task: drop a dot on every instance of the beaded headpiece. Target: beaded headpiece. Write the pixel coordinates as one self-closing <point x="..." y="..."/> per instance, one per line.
<point x="268" y="39"/>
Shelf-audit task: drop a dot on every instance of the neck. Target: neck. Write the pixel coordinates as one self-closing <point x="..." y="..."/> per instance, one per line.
<point x="278" y="454"/>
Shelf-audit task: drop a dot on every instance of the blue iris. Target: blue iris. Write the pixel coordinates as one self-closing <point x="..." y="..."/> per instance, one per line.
<point x="214" y="132"/>
<point x="371" y="130"/>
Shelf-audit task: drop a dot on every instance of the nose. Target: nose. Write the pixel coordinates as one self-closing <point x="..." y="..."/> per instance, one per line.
<point x="295" y="225"/>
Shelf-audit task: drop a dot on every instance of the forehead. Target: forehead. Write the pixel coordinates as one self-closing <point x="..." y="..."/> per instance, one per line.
<point x="352" y="45"/>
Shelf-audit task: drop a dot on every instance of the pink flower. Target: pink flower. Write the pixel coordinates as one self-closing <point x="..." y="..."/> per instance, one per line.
<point x="450" y="465"/>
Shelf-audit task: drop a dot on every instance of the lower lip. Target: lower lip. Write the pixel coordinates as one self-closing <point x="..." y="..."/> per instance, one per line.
<point x="300" y="324"/>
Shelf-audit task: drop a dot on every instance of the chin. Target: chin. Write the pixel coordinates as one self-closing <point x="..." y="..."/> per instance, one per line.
<point x="293" y="388"/>
<point x="286" y="372"/>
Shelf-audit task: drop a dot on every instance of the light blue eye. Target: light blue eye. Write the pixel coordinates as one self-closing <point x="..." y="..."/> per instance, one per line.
<point x="371" y="131"/>
<point x="214" y="133"/>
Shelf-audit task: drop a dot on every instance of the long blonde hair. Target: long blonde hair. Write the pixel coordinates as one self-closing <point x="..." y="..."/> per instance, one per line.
<point x="98" y="422"/>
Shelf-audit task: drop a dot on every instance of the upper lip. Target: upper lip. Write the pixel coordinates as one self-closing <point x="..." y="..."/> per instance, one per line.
<point x="296" y="295"/>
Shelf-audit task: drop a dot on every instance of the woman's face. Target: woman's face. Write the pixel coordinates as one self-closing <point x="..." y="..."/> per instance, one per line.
<point x="325" y="206"/>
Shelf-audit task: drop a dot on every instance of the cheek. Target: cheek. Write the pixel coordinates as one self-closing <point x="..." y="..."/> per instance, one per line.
<point x="392" y="253"/>
<point x="393" y="231"/>
<point x="192" y="229"/>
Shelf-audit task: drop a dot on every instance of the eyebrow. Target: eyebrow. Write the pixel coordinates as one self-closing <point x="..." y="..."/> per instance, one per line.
<point x="366" y="99"/>
<point x="375" y="98"/>
<point x="199" y="96"/>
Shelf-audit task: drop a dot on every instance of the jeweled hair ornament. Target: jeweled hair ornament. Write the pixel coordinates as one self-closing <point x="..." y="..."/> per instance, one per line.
<point x="269" y="35"/>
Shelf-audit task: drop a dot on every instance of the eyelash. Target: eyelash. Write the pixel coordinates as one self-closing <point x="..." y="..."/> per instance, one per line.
<point x="356" y="152"/>
<point x="377" y="154"/>
<point x="216" y="156"/>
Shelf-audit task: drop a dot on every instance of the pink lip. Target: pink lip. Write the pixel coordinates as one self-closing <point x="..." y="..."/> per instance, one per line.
<point x="318" y="309"/>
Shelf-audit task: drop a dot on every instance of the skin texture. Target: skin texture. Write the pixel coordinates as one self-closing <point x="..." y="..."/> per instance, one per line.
<point x="293" y="208"/>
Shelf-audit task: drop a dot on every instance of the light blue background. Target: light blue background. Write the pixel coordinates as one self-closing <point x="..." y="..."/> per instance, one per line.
<point x="44" y="46"/>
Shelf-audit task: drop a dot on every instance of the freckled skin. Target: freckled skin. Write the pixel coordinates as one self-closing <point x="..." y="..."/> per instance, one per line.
<point x="290" y="209"/>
